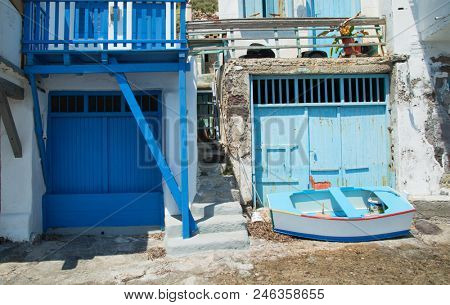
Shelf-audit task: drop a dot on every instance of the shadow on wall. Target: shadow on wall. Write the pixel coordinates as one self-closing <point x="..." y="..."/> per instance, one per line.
<point x="437" y="61"/>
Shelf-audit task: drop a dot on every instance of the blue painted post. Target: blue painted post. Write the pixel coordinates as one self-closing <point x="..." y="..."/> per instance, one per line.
<point x="38" y="126"/>
<point x="187" y="225"/>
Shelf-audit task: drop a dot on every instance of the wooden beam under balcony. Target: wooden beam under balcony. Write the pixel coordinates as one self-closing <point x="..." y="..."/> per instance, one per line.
<point x="10" y="126"/>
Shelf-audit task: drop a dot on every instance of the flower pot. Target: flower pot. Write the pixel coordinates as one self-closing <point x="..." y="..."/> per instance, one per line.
<point x="349" y="51"/>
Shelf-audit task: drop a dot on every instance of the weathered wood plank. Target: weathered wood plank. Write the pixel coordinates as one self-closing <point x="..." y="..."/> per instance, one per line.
<point x="11" y="90"/>
<point x="10" y="126"/>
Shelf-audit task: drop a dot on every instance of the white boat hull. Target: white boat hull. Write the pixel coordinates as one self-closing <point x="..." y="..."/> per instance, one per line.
<point x="343" y="230"/>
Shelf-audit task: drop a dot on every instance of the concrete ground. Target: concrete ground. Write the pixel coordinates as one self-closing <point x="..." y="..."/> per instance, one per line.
<point x="422" y="258"/>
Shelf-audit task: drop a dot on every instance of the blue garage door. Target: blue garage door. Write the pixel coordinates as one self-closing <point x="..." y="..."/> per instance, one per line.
<point x="101" y="172"/>
<point x="333" y="128"/>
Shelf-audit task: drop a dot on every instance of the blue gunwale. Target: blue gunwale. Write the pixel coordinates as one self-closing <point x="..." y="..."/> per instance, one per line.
<point x="352" y="239"/>
<point x="395" y="204"/>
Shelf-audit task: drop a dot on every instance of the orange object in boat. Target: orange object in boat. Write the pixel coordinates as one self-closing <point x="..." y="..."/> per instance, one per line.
<point x="319" y="185"/>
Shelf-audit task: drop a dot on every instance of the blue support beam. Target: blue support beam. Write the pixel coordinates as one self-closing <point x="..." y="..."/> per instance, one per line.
<point x="187" y="225"/>
<point x="38" y="126"/>
<point x="180" y="197"/>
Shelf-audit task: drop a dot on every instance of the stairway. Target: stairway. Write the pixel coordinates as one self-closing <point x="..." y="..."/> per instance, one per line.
<point x="216" y="209"/>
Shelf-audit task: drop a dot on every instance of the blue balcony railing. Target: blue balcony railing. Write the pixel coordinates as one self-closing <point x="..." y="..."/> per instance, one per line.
<point x="67" y="26"/>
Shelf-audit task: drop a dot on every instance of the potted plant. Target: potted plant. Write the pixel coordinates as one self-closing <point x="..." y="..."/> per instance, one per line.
<point x="347" y="35"/>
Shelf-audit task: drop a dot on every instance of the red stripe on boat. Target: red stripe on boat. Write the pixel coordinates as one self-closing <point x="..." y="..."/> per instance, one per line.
<point x="358" y="219"/>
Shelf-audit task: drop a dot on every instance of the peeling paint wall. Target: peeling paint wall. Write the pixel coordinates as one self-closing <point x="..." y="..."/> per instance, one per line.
<point x="420" y="96"/>
<point x="236" y="121"/>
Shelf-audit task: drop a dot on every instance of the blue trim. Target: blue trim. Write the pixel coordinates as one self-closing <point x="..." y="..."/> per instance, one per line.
<point x="355" y="239"/>
<point x="97" y="68"/>
<point x="38" y="126"/>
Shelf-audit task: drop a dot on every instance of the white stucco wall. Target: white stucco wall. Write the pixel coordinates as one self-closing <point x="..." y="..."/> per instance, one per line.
<point x="417" y="170"/>
<point x="10" y="32"/>
<point x="434" y="19"/>
<point x="168" y="83"/>
<point x="22" y="184"/>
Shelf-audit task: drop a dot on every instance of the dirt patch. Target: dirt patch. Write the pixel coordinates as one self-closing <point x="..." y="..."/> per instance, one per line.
<point x="426" y="227"/>
<point x="355" y="264"/>
<point x="155" y="253"/>
<point x="157" y="236"/>
<point x="263" y="230"/>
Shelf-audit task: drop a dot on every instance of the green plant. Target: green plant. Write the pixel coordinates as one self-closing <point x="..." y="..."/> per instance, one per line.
<point x="205" y="6"/>
<point x="346" y="34"/>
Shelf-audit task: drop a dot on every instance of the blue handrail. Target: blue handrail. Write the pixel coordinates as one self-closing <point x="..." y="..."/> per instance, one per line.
<point x="81" y="25"/>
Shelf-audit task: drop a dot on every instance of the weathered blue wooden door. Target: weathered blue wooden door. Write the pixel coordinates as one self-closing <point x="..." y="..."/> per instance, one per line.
<point x="333" y="128"/>
<point x="281" y="150"/>
<point x="101" y="172"/>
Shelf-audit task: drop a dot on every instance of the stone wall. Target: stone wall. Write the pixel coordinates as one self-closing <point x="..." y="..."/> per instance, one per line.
<point x="234" y="88"/>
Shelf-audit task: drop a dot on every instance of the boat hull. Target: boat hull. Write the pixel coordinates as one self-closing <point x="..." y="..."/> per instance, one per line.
<point x="343" y="230"/>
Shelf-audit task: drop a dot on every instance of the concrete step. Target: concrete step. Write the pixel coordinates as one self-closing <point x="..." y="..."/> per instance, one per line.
<point x="211" y="169"/>
<point x="218" y="196"/>
<point x="221" y="223"/>
<point x="206" y="242"/>
<point x="215" y="209"/>
<point x="207" y="183"/>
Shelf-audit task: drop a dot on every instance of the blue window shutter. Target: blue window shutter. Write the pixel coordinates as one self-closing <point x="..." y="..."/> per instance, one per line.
<point x="272" y="8"/>
<point x="253" y="9"/>
<point x="289" y="7"/>
<point x="332" y="8"/>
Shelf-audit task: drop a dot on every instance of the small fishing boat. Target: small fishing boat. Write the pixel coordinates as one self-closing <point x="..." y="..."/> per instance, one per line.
<point x="346" y="214"/>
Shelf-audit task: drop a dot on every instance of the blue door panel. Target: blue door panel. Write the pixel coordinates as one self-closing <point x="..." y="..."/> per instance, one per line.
<point x="364" y="146"/>
<point x="134" y="169"/>
<point x="325" y="144"/>
<point x="76" y="155"/>
<point x="281" y="150"/>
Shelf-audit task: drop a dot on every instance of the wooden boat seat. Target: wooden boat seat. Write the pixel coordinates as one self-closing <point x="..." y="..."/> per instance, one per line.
<point x="345" y="205"/>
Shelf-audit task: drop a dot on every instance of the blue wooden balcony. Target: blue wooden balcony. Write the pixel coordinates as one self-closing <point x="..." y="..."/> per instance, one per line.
<point x="75" y="32"/>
